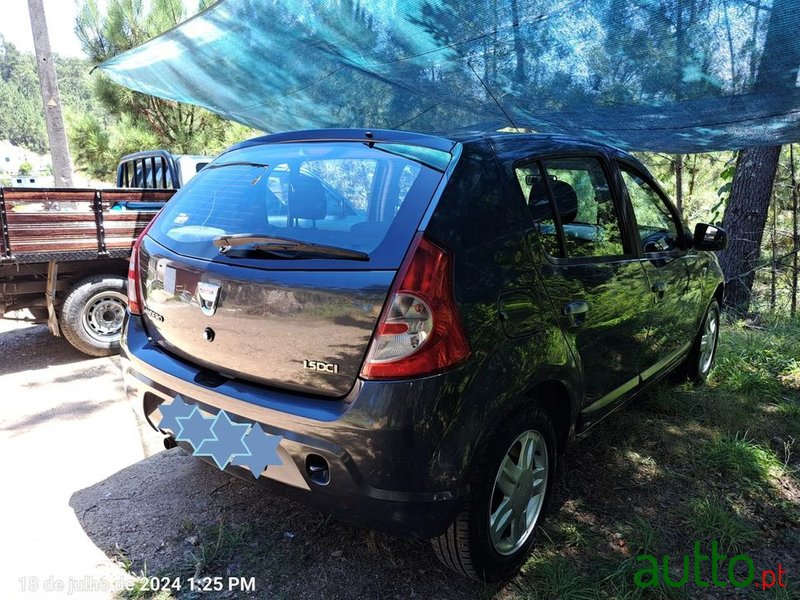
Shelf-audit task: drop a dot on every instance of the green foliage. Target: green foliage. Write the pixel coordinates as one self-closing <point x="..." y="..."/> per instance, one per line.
<point x="707" y="183"/>
<point x="549" y="575"/>
<point x="703" y="198"/>
<point x="712" y="520"/>
<point x="137" y="121"/>
<point x="98" y="147"/>
<point x="21" y="118"/>
<point x="217" y="544"/>
<point x="757" y="362"/>
<point x="739" y="459"/>
<point x="25" y="168"/>
<point x="21" y="114"/>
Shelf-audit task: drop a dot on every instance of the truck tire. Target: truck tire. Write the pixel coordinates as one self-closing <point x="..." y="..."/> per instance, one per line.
<point x="93" y="312"/>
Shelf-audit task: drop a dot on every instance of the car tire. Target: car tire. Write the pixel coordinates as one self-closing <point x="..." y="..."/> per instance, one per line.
<point x="700" y="361"/>
<point x="92" y="314"/>
<point x="472" y="546"/>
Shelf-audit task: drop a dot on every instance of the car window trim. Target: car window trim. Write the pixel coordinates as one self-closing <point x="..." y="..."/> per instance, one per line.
<point x="626" y="232"/>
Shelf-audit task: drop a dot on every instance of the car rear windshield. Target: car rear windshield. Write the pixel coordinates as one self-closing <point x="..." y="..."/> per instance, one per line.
<point x="364" y="197"/>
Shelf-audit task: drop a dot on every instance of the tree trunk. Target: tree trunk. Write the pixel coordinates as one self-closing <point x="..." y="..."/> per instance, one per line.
<point x="677" y="165"/>
<point x="519" y="47"/>
<point x="745" y="218"/>
<point x="56" y="133"/>
<point x="773" y="283"/>
<point x="795" y="237"/>
<point x="746" y="212"/>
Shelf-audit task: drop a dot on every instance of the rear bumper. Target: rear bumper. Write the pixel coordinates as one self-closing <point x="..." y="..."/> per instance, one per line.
<point x="378" y="441"/>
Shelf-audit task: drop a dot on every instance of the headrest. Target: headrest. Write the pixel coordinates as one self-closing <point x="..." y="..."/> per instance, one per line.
<point x="565" y="198"/>
<point x="307" y="198"/>
<point x="538" y="202"/>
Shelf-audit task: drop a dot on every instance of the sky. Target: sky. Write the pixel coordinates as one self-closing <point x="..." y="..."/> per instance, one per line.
<point x="15" y="25"/>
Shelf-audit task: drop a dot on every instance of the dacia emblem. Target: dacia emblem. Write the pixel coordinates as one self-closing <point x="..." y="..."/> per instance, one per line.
<point x="207" y="296"/>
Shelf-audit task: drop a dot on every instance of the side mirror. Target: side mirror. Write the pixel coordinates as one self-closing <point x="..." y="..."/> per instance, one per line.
<point x="709" y="237"/>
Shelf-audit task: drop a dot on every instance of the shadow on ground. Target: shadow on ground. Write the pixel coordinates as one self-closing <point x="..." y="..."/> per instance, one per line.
<point x="173" y="514"/>
<point x="683" y="465"/>
<point x="32" y="347"/>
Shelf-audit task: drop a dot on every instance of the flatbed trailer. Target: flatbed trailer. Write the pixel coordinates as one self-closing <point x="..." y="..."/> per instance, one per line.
<point x="68" y="267"/>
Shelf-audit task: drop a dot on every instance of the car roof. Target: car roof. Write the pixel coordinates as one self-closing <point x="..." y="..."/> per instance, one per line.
<point x="355" y="135"/>
<point x="505" y="143"/>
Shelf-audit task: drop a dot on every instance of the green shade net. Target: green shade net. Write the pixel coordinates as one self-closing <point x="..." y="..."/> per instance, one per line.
<point x="662" y="75"/>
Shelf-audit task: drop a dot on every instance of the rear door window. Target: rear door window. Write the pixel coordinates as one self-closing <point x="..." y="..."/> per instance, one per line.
<point x="572" y="207"/>
<point x="350" y="195"/>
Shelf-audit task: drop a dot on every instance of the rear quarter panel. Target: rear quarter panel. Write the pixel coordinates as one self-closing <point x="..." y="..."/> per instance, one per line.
<point x="478" y="219"/>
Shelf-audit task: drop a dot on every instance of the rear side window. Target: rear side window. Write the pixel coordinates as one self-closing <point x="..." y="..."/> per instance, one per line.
<point x="540" y="208"/>
<point x="151" y="173"/>
<point x="345" y="194"/>
<point x="570" y="202"/>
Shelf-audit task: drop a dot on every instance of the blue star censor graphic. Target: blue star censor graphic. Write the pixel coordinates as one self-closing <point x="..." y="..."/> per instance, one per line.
<point x="263" y="451"/>
<point x="195" y="428"/>
<point x="227" y="442"/>
<point x="171" y="412"/>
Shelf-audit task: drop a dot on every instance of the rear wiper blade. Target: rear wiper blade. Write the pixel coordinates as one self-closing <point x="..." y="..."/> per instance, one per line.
<point x="281" y="244"/>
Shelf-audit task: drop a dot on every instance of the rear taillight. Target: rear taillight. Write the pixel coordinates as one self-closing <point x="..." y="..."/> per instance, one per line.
<point x="135" y="298"/>
<point x="419" y="331"/>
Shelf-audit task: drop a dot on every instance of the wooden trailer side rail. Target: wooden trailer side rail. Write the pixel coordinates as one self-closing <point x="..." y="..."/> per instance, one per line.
<point x="88" y="229"/>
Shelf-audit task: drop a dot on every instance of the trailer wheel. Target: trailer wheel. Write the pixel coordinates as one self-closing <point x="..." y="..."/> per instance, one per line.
<point x="93" y="312"/>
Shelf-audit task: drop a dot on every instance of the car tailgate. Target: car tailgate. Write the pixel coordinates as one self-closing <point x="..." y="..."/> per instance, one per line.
<point x="303" y="330"/>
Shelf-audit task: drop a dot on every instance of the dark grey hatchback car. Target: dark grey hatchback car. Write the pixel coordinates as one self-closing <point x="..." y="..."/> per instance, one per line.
<point x="414" y="326"/>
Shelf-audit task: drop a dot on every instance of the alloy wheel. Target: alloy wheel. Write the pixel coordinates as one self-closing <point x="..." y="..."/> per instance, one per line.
<point x="708" y="341"/>
<point x="518" y="493"/>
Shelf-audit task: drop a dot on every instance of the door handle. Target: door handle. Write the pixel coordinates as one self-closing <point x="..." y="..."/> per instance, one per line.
<point x="659" y="289"/>
<point x="576" y="311"/>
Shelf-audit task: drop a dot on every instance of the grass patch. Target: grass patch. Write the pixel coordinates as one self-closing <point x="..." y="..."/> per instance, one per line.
<point x="789" y="409"/>
<point x="140" y="587"/>
<point x="756" y="363"/>
<point x="740" y="377"/>
<point x="712" y="520"/>
<point x="216" y="546"/>
<point x="674" y="401"/>
<point x="141" y="590"/>
<point x="568" y="534"/>
<point x="548" y="575"/>
<point x="740" y="460"/>
<point x="617" y="577"/>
